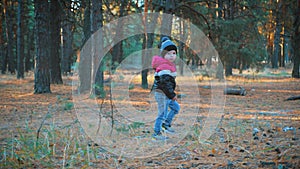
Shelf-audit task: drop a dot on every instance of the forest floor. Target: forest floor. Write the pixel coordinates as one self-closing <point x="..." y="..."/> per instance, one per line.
<point x="259" y="130"/>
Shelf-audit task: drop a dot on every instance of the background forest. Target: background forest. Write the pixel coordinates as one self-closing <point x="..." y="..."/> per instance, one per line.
<point x="47" y="36"/>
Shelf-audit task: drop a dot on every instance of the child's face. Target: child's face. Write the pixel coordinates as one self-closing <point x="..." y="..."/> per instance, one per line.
<point x="171" y="56"/>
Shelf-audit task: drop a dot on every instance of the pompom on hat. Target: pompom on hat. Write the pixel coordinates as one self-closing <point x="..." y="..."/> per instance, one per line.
<point x="167" y="45"/>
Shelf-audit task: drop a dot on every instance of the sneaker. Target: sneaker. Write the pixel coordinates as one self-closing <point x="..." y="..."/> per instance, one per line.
<point x="168" y="129"/>
<point x="159" y="136"/>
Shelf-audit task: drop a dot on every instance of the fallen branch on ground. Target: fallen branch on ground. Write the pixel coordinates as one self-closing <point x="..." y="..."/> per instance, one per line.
<point x="235" y="91"/>
<point x="293" y="98"/>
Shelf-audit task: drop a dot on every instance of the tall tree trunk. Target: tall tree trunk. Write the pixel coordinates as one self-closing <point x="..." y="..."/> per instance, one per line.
<point x="228" y="68"/>
<point x="286" y="48"/>
<point x="144" y="61"/>
<point x="296" y="42"/>
<point x="3" y="58"/>
<point x="86" y="61"/>
<point x="29" y="59"/>
<point x="55" y="71"/>
<point x="220" y="68"/>
<point x="229" y="15"/>
<point x="42" y="74"/>
<point x="147" y="42"/>
<point x="276" y="54"/>
<point x="67" y="35"/>
<point x="285" y="37"/>
<point x="28" y="38"/>
<point x="117" y="51"/>
<point x="278" y="29"/>
<point x="166" y="23"/>
<point x="97" y="23"/>
<point x="145" y="45"/>
<point x="9" y="14"/>
<point x="67" y="49"/>
<point x="181" y="43"/>
<point x="20" y="42"/>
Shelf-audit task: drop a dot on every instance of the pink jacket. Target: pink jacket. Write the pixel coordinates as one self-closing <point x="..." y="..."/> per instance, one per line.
<point x="159" y="64"/>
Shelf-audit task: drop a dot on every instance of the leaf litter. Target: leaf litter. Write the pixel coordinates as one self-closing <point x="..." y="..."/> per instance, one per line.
<point x="259" y="130"/>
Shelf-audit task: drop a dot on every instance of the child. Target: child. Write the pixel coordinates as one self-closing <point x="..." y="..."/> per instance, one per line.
<point x="164" y="86"/>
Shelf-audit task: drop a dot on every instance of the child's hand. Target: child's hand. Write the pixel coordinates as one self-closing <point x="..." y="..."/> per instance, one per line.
<point x="174" y="98"/>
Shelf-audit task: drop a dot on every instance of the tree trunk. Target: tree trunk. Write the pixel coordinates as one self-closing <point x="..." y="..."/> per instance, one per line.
<point x="67" y="35"/>
<point x="9" y="15"/>
<point x="220" y="68"/>
<point x="55" y="71"/>
<point x="278" y="29"/>
<point x="144" y="62"/>
<point x="28" y="39"/>
<point x="3" y="61"/>
<point x="285" y="48"/>
<point x="42" y="74"/>
<point x="117" y="51"/>
<point x="220" y="71"/>
<point x="228" y="68"/>
<point x="166" y="23"/>
<point x="181" y="43"/>
<point x="29" y="58"/>
<point x="86" y="61"/>
<point x="20" y="42"/>
<point x="97" y="23"/>
<point x="67" y="49"/>
<point x="147" y="43"/>
<point x="228" y="15"/>
<point x="296" y="43"/>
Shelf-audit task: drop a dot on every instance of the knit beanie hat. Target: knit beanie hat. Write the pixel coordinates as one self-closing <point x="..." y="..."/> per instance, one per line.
<point x="166" y="46"/>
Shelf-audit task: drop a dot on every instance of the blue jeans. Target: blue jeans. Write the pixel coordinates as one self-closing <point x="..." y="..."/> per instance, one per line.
<point x="164" y="116"/>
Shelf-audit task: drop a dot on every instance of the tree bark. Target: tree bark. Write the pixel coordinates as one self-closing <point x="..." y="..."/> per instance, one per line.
<point x="278" y="28"/>
<point x="29" y="59"/>
<point x="20" y="42"/>
<point x="296" y="43"/>
<point x="276" y="54"/>
<point x="166" y="23"/>
<point x="67" y="34"/>
<point x="148" y="39"/>
<point x="55" y="71"/>
<point x="97" y="23"/>
<point x="3" y="61"/>
<point x="67" y="49"/>
<point x="85" y="61"/>
<point x="117" y="51"/>
<point x="228" y="67"/>
<point x="181" y="43"/>
<point x="42" y="74"/>
<point x="9" y="15"/>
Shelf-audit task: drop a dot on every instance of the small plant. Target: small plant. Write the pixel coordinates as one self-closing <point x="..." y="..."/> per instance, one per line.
<point x="131" y="86"/>
<point x="69" y="106"/>
<point x="136" y="125"/>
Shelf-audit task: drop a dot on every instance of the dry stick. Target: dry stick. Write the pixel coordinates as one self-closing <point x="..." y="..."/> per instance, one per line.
<point x="287" y="150"/>
<point x="39" y="130"/>
<point x="100" y="117"/>
<point x="121" y="154"/>
<point x="111" y="107"/>
<point x="12" y="146"/>
<point x="4" y="154"/>
<point x="64" y="157"/>
<point x="88" y="154"/>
